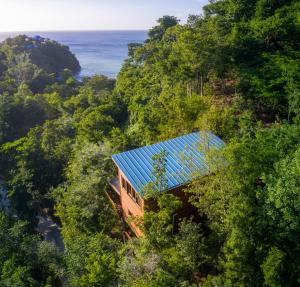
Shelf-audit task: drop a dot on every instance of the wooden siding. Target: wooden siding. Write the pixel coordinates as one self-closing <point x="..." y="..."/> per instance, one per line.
<point x="131" y="209"/>
<point x="133" y="212"/>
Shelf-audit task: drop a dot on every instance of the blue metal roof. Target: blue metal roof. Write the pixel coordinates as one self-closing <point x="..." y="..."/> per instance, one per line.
<point x="185" y="157"/>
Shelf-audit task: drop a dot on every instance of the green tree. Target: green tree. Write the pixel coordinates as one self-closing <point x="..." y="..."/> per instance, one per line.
<point x="23" y="70"/>
<point x="81" y="202"/>
<point x="26" y="260"/>
<point x="166" y="22"/>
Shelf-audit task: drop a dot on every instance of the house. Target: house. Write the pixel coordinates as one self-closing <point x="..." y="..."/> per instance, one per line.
<point x="185" y="159"/>
<point x="38" y="38"/>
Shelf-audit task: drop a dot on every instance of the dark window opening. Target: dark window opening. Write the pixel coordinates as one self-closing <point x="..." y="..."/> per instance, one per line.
<point x="123" y="182"/>
<point x="130" y="191"/>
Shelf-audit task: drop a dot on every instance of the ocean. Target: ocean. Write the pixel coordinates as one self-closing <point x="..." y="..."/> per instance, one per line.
<point x="99" y="52"/>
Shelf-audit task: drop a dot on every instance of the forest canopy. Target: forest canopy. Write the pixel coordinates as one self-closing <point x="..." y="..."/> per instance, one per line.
<point x="234" y="71"/>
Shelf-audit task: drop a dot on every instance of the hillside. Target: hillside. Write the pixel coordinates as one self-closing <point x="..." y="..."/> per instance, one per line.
<point x="234" y="71"/>
<point x="46" y="54"/>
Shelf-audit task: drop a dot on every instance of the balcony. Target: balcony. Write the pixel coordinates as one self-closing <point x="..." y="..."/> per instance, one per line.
<point x="115" y="185"/>
<point x="113" y="193"/>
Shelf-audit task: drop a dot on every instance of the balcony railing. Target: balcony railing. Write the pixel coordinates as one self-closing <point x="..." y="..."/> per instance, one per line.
<point x="115" y="184"/>
<point x="113" y="194"/>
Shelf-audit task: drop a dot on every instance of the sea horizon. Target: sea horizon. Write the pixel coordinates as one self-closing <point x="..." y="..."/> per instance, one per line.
<point x="57" y="31"/>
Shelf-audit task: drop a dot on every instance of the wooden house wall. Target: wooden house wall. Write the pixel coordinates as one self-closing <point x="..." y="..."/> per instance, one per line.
<point x="132" y="211"/>
<point x="130" y="207"/>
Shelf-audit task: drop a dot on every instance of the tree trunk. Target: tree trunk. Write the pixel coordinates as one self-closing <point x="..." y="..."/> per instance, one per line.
<point x="201" y="85"/>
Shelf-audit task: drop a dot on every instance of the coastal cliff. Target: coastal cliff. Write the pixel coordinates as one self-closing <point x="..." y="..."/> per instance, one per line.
<point x="46" y="54"/>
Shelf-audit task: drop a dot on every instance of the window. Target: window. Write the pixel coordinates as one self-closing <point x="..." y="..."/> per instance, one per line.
<point x="123" y="182"/>
<point x="130" y="191"/>
<point x="128" y="188"/>
<point x="138" y="200"/>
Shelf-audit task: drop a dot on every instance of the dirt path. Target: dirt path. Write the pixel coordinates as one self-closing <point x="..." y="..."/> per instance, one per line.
<point x="50" y="231"/>
<point x="4" y="202"/>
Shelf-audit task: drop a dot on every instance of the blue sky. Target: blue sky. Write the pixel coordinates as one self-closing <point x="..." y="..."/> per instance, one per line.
<point x="37" y="15"/>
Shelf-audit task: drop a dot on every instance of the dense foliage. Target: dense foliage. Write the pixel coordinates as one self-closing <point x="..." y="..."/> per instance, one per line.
<point x="235" y="71"/>
<point x="36" y="62"/>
